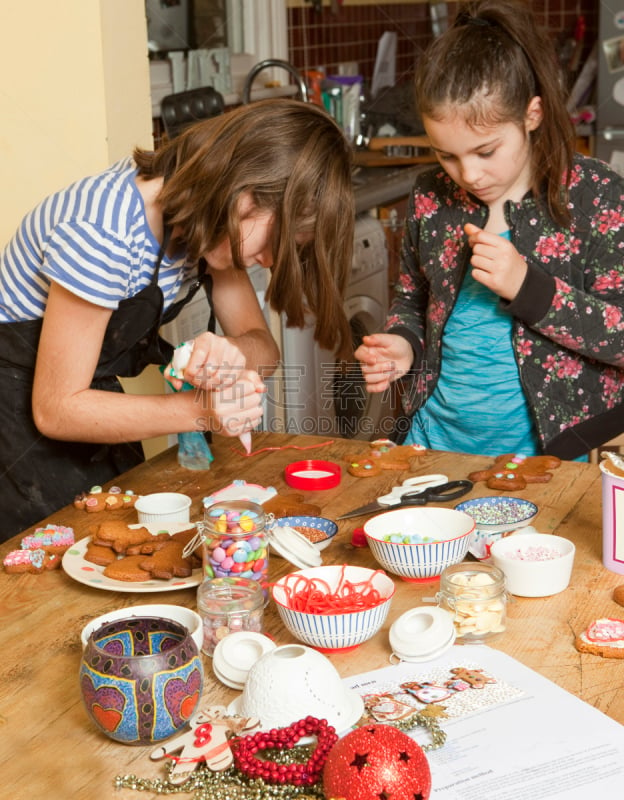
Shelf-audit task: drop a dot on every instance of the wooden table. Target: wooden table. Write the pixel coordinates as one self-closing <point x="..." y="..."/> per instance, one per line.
<point x="48" y="746"/>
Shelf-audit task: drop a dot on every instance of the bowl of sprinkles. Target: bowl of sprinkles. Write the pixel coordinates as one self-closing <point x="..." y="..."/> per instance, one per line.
<point x="496" y="516"/>
<point x="334" y="608"/>
<point x="534" y="564"/>
<point x="418" y="543"/>
<point x="499" y="514"/>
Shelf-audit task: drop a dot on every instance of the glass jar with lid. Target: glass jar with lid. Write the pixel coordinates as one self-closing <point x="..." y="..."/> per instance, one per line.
<point x="229" y="605"/>
<point x="474" y="593"/>
<point x="235" y="542"/>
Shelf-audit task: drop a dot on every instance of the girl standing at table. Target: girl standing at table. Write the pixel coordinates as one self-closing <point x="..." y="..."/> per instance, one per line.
<point x="508" y="322"/>
<point x="94" y="270"/>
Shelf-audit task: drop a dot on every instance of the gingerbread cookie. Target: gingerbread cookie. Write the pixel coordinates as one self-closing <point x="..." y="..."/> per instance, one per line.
<point x="120" y="537"/>
<point x="98" y="499"/>
<point x="54" y="539"/>
<point x="20" y="561"/>
<point x="290" y="505"/>
<point x="383" y="454"/>
<point x="127" y="569"/>
<point x="604" y="637"/>
<point x="512" y="472"/>
<point x="100" y="554"/>
<point x="618" y="594"/>
<point x="168" y="562"/>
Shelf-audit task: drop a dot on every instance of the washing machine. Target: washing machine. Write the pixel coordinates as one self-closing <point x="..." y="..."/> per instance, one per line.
<point x="319" y="395"/>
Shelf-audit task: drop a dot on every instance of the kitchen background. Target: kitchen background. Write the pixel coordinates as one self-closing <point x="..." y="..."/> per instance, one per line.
<point x="83" y="97"/>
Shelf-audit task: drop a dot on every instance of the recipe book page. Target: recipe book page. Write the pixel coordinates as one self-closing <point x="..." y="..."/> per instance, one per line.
<point x="511" y="733"/>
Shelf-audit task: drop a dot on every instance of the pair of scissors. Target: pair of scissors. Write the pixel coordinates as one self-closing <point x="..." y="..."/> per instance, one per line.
<point x="414" y="492"/>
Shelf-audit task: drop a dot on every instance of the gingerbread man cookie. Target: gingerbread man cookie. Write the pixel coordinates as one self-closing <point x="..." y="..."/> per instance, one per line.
<point x="512" y="472"/>
<point x="290" y="505"/>
<point x="98" y="499"/>
<point x="383" y="454"/>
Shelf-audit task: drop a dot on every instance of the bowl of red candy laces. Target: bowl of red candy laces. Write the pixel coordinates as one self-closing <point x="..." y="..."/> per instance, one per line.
<point x="334" y="607"/>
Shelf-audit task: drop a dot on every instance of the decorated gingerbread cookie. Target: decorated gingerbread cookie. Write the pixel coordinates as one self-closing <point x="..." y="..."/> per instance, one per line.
<point x="604" y="637"/>
<point x="512" y="472"/>
<point x="98" y="499"/>
<point x="383" y="454"/>
<point x="19" y="561"/>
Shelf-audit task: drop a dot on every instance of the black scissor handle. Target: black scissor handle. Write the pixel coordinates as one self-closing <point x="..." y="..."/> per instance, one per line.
<point x="440" y="494"/>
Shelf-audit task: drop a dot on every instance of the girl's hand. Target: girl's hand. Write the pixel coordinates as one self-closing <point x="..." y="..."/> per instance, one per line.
<point x="496" y="262"/>
<point x="237" y="407"/>
<point x="383" y="357"/>
<point x="215" y="362"/>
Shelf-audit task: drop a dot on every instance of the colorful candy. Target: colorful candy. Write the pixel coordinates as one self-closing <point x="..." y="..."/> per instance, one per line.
<point x="235" y="542"/>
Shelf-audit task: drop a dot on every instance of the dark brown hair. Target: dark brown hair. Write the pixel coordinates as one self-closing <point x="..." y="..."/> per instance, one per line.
<point x="491" y="63"/>
<point x="295" y="162"/>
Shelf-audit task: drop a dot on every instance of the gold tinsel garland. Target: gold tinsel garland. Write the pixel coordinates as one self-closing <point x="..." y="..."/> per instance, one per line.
<point x="231" y="784"/>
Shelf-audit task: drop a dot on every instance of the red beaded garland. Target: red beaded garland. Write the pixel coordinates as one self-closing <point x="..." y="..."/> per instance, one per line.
<point x="246" y="748"/>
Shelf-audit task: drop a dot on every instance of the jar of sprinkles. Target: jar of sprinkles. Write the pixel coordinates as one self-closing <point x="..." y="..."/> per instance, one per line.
<point x="229" y="605"/>
<point x="475" y="596"/>
<point x="235" y="542"/>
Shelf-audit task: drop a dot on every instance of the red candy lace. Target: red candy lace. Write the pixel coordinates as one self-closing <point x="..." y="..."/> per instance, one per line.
<point x="313" y="595"/>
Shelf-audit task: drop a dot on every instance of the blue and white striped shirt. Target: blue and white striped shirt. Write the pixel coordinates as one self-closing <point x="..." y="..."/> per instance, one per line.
<point x="93" y="239"/>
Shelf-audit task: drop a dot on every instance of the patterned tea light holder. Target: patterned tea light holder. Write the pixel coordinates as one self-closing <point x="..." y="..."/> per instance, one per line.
<point x="141" y="679"/>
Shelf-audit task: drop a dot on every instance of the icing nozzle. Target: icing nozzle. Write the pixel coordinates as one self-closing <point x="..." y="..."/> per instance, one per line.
<point x="245" y="440"/>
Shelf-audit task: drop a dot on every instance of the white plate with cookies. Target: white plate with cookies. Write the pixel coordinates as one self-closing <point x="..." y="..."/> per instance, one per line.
<point x="135" y="571"/>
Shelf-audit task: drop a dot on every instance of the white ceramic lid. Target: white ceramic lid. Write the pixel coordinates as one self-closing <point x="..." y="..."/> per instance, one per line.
<point x="294" y="547"/>
<point x="422" y="634"/>
<point x="236" y="653"/>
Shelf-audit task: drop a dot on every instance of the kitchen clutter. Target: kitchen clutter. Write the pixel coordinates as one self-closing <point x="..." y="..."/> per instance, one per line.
<point x="144" y="667"/>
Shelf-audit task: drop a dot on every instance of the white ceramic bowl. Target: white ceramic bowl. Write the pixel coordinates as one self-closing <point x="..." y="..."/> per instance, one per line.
<point x="452" y="531"/>
<point x="517" y="557"/>
<point x="185" y="616"/>
<point x="336" y="631"/>
<point x="293" y="681"/>
<point x="164" y="507"/>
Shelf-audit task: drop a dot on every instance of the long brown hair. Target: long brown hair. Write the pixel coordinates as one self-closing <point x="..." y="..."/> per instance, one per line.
<point x="491" y="62"/>
<point x="295" y="162"/>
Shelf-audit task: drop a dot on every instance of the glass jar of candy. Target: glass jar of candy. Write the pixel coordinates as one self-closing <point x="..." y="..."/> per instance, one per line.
<point x="235" y="542"/>
<point x="474" y="593"/>
<point x="228" y="605"/>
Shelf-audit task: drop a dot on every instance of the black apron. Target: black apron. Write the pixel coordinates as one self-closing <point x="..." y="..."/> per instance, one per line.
<point x="40" y="475"/>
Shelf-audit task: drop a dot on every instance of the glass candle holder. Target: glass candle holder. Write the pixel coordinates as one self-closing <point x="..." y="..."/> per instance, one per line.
<point x="228" y="605"/>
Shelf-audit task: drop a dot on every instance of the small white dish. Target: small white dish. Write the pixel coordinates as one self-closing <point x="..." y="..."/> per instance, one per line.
<point x="185" y="616"/>
<point x="164" y="507"/>
<point x="293" y="546"/>
<point x="421" y="634"/>
<point x="235" y="655"/>
<point x="534" y="564"/>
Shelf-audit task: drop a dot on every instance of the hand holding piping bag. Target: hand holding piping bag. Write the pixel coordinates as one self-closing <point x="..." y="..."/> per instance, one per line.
<point x="175" y="374"/>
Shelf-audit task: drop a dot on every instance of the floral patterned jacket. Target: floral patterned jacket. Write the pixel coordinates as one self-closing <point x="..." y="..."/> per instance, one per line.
<point x="568" y="331"/>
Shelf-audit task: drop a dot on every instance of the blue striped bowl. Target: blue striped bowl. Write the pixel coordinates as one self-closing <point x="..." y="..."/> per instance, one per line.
<point x="339" y="631"/>
<point x="452" y="531"/>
